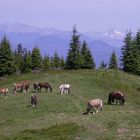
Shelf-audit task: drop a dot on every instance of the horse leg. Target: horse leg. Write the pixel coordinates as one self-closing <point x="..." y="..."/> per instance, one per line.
<point x="5" y="94"/>
<point x="40" y="89"/>
<point x="94" y="112"/>
<point x="116" y="101"/>
<point x="14" y="90"/>
<point x="120" y="102"/>
<point x="68" y="90"/>
<point x="97" y="110"/>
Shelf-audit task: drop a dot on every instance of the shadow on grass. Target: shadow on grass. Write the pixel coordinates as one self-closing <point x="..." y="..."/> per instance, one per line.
<point x="57" y="132"/>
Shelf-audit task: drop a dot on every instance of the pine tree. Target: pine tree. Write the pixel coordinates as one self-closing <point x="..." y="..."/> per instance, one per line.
<point x="46" y="63"/>
<point x="113" y="63"/>
<point x="73" y="60"/>
<point x="136" y="52"/>
<point x="27" y="62"/>
<point x="129" y="52"/>
<point x="36" y="58"/>
<point x="87" y="61"/>
<point x="62" y="63"/>
<point x="55" y="61"/>
<point x="19" y="61"/>
<point x="6" y="58"/>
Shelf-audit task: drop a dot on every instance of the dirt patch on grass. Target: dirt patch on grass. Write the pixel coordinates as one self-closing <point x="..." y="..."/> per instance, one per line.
<point x="122" y="130"/>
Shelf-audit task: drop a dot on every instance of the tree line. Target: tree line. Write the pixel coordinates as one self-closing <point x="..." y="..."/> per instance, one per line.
<point x="20" y="60"/>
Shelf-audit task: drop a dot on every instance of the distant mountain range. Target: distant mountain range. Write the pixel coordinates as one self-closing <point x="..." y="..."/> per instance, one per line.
<point x="50" y="40"/>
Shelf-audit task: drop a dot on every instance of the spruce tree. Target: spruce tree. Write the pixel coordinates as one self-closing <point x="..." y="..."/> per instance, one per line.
<point x="36" y="58"/>
<point x="136" y="52"/>
<point x="46" y="62"/>
<point x="87" y="61"/>
<point x="6" y="58"/>
<point x="19" y="58"/>
<point x="73" y="60"/>
<point x="62" y="63"/>
<point x="55" y="61"/>
<point x="27" y="62"/>
<point x="129" y="52"/>
<point x="113" y="63"/>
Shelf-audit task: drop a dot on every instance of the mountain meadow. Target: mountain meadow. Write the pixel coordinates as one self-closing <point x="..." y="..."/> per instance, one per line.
<point x="60" y="117"/>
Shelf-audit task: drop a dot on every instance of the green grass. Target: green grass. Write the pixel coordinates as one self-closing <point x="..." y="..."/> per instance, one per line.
<point x="59" y="117"/>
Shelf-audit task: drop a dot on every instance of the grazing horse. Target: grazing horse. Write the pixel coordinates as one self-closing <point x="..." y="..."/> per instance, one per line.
<point x="33" y="100"/>
<point x="23" y="86"/>
<point x="4" y="91"/>
<point x="64" y="88"/>
<point x="46" y="85"/>
<point x="94" y="103"/>
<point x="116" y="95"/>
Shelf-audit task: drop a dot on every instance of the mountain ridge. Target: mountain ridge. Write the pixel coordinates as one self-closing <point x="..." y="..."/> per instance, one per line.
<point x="49" y="40"/>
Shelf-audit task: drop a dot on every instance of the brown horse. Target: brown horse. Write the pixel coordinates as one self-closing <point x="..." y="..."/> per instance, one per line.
<point x="116" y="95"/>
<point x="94" y="103"/>
<point x="45" y="85"/>
<point x="23" y="86"/>
<point x="4" y="91"/>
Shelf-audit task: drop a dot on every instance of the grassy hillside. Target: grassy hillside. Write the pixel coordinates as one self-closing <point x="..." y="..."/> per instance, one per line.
<point x="59" y="117"/>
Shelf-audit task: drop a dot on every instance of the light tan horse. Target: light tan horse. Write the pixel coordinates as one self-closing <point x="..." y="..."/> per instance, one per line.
<point x="4" y="91"/>
<point x="98" y="103"/>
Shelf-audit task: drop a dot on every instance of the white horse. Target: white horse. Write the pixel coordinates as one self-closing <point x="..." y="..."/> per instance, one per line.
<point x="64" y="88"/>
<point x="94" y="103"/>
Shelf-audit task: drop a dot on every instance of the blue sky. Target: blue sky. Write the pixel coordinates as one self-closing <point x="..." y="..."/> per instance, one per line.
<point x="88" y="15"/>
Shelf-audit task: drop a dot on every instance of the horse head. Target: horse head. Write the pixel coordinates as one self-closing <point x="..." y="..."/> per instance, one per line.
<point x="123" y="100"/>
<point x="50" y="88"/>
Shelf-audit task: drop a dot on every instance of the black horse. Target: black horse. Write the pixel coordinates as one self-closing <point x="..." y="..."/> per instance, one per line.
<point x="116" y="95"/>
<point x="33" y="100"/>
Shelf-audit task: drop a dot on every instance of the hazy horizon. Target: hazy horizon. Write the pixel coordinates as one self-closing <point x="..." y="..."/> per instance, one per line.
<point x="88" y="15"/>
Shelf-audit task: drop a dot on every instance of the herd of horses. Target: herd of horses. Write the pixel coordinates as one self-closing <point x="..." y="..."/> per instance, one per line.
<point x="114" y="96"/>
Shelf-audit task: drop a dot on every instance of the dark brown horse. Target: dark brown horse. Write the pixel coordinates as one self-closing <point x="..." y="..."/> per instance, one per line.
<point x="4" y="91"/>
<point x="39" y="86"/>
<point x="116" y="95"/>
<point x="23" y="86"/>
<point x="33" y="100"/>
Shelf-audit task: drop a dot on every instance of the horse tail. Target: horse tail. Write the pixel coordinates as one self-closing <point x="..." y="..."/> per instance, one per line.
<point x="109" y="98"/>
<point x="101" y="104"/>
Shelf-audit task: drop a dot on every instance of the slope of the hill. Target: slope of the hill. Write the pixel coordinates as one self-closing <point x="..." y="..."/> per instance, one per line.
<point x="60" y="117"/>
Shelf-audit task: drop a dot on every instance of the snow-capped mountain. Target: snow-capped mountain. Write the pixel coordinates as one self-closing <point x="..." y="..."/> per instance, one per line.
<point x="111" y="34"/>
<point x="50" y="40"/>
